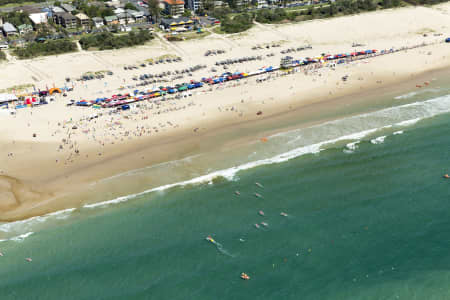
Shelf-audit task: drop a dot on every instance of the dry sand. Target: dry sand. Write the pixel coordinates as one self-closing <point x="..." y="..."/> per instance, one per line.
<point x="36" y="171"/>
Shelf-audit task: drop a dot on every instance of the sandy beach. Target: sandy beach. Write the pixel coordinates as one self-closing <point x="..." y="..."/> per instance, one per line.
<point x="52" y="152"/>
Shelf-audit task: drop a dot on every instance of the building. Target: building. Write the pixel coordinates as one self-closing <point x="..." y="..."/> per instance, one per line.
<point x="24" y="28"/>
<point x="66" y="20"/>
<point x="174" y="7"/>
<point x="9" y="29"/>
<point x="111" y="20"/>
<point x="177" y="24"/>
<point x="114" y="3"/>
<point x="242" y="3"/>
<point x="124" y="18"/>
<point x="83" y="20"/>
<point x="98" y="22"/>
<point x="194" y="5"/>
<point x="38" y="18"/>
<point x="67" y="7"/>
<point x="57" y="9"/>
<point x="138" y="16"/>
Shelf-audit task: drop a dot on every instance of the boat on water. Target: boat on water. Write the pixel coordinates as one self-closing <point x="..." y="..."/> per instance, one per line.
<point x="245" y="276"/>
<point x="257" y="225"/>
<point x="283" y="214"/>
<point x="28" y="259"/>
<point x="237" y="193"/>
<point x="259" y="184"/>
<point x="210" y="239"/>
<point x="258" y="195"/>
<point x="261" y="213"/>
<point x="264" y="224"/>
<point x="446" y="176"/>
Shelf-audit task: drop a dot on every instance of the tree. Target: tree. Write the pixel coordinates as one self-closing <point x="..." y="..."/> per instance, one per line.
<point x="187" y="13"/>
<point x="130" y="6"/>
<point x="57" y="3"/>
<point x="154" y="9"/>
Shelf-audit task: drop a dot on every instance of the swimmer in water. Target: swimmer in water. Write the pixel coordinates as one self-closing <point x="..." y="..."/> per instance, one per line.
<point x="259" y="184"/>
<point x="258" y="195"/>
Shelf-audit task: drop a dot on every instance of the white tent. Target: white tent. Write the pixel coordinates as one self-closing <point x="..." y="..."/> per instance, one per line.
<point x="7" y="98"/>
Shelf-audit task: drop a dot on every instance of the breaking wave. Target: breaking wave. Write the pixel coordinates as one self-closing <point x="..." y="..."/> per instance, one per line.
<point x="315" y="139"/>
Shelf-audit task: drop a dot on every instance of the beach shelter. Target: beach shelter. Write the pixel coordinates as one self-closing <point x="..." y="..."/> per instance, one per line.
<point x="54" y="90"/>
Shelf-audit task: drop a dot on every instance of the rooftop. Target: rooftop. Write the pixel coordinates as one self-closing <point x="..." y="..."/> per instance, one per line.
<point x="8" y="27"/>
<point x="82" y="16"/>
<point x="174" y="2"/>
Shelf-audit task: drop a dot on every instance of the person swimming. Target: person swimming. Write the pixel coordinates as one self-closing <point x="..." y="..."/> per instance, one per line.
<point x="259" y="184"/>
<point x="261" y="213"/>
<point x="258" y="195"/>
<point x="283" y="214"/>
<point x="237" y="193"/>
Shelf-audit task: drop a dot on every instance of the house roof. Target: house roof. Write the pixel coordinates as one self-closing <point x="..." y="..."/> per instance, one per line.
<point x="82" y="16"/>
<point x="8" y="27"/>
<point x="174" y="2"/>
<point x="38" y="18"/>
<point x="66" y="16"/>
<point x="97" y="19"/>
<point x="110" y="18"/>
<point x="57" y="9"/>
<point x="67" y="7"/>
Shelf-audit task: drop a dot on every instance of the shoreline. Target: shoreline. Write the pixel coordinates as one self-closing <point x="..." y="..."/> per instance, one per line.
<point x="44" y="175"/>
<point x="208" y="138"/>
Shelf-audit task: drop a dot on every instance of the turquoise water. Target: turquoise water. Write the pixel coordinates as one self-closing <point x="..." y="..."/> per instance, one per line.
<point x="365" y="221"/>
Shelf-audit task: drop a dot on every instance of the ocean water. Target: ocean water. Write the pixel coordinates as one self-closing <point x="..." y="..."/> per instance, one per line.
<point x="368" y="218"/>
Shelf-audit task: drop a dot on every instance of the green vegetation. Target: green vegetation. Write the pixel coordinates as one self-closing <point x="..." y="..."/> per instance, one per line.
<point x="238" y="23"/>
<point x="51" y="47"/>
<point x="92" y="10"/>
<point x="16" y="18"/>
<point x="130" y="6"/>
<point x="2" y="56"/>
<point x="17" y="2"/>
<point x="107" y="40"/>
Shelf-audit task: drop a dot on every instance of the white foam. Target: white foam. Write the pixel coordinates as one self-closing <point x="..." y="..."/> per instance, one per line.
<point x="378" y="140"/>
<point x="231" y="172"/>
<point x="351" y="147"/>
<point x="398" y="132"/>
<point x="23" y="224"/>
<point x="406" y="96"/>
<point x="409" y="122"/>
<point x="21" y="237"/>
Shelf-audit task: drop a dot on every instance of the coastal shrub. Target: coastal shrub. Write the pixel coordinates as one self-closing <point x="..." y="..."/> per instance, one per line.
<point x="107" y="40"/>
<point x="2" y="55"/>
<point x="239" y="23"/>
<point x="271" y="15"/>
<point x="50" y="47"/>
<point x="16" y="18"/>
<point x="4" y="2"/>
